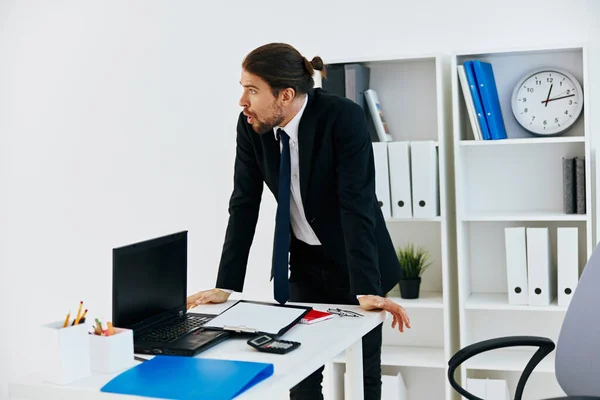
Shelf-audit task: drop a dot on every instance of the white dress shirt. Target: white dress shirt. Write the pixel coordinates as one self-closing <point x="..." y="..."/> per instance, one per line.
<point x="300" y="226"/>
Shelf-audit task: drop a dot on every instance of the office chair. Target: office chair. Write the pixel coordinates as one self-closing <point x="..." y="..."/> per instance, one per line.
<point x="577" y="363"/>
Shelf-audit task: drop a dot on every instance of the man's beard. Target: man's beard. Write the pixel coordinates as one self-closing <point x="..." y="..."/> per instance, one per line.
<point x="262" y="127"/>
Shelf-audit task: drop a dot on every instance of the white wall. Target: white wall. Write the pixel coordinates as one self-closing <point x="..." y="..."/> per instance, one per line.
<point x="117" y="123"/>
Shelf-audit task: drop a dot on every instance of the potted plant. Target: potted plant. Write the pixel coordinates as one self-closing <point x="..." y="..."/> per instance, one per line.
<point x="413" y="263"/>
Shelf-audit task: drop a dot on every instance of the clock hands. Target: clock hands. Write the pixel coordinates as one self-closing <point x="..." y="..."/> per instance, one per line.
<point x="548" y="98"/>
<point x="563" y="93"/>
<point x="557" y="98"/>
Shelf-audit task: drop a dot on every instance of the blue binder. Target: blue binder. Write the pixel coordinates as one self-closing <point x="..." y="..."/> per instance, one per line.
<point x="173" y="377"/>
<point x="473" y="87"/>
<point x="484" y="74"/>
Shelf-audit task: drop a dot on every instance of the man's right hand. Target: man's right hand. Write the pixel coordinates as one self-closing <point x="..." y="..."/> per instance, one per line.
<point x="206" y="297"/>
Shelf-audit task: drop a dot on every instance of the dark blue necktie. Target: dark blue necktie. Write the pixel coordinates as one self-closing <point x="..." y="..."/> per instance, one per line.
<point x="282" y="223"/>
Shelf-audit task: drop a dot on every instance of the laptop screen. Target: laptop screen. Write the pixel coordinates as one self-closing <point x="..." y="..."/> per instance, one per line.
<point x="149" y="279"/>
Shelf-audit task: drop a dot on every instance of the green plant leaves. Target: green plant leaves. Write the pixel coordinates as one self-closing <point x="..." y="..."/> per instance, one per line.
<point x="413" y="261"/>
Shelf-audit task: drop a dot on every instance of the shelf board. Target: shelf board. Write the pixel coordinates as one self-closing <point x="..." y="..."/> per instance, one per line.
<point x="499" y="301"/>
<point x="425" y="300"/>
<point x="523" y="216"/>
<point x="413" y="219"/>
<point x="407" y="356"/>
<point x="509" y="360"/>
<point x="523" y="141"/>
<point x="400" y="58"/>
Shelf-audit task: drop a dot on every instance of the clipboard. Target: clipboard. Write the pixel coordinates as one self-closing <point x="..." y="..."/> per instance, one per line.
<point x="256" y="317"/>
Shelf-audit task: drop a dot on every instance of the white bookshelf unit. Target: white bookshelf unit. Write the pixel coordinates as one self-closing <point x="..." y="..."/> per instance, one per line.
<point x="414" y="94"/>
<point x="513" y="182"/>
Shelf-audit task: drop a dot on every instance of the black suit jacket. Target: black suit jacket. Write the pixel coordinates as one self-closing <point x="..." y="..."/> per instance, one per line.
<point x="337" y="185"/>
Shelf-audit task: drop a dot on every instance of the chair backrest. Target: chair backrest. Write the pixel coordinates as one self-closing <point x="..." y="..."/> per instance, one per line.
<point x="577" y="364"/>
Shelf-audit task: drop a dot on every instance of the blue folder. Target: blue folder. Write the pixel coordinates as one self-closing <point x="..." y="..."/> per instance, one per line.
<point x="484" y="74"/>
<point x="173" y="377"/>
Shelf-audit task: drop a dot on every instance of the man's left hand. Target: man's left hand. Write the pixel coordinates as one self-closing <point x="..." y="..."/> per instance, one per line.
<point x="371" y="302"/>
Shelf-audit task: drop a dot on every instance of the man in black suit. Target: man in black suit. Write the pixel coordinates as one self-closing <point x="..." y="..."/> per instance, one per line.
<point x="314" y="152"/>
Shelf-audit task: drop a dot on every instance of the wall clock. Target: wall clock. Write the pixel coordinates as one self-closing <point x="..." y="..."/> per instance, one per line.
<point x="547" y="101"/>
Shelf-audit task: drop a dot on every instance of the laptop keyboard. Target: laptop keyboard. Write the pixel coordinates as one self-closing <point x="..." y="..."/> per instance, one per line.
<point x="174" y="329"/>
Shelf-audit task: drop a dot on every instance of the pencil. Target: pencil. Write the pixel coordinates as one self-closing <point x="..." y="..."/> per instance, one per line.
<point x="79" y="312"/>
<point x="98" y="327"/>
<point x="82" y="318"/>
<point x="111" y="331"/>
<point x="67" y="320"/>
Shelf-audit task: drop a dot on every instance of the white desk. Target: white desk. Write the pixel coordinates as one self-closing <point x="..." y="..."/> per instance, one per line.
<point x="321" y="342"/>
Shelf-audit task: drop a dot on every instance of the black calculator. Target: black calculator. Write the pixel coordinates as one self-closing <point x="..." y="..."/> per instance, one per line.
<point x="267" y="344"/>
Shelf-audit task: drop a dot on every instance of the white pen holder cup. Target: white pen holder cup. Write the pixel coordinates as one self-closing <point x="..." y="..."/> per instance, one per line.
<point x="65" y="353"/>
<point x="112" y="353"/>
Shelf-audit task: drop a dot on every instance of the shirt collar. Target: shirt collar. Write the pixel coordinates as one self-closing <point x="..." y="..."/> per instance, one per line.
<point x="292" y="127"/>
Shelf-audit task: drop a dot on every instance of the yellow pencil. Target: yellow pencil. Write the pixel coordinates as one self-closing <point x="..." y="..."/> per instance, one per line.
<point x="67" y="320"/>
<point x="78" y="312"/>
<point x="82" y="317"/>
<point x="111" y="331"/>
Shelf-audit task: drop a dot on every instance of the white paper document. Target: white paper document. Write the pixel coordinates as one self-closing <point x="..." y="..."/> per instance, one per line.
<point x="255" y="317"/>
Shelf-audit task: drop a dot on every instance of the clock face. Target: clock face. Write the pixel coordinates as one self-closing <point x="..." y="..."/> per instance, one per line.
<point x="547" y="101"/>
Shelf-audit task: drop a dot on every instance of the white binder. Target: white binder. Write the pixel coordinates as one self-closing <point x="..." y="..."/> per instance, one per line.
<point x="374" y="106"/>
<point x="464" y="84"/>
<point x="399" y="162"/>
<point x="424" y="178"/>
<point x="515" y="245"/>
<point x="541" y="270"/>
<point x="567" y="259"/>
<point x="382" y="180"/>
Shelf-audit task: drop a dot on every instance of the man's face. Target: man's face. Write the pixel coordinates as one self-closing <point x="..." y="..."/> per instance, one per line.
<point x="262" y="110"/>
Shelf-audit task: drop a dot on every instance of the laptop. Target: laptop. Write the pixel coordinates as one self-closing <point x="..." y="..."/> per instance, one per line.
<point x="150" y="295"/>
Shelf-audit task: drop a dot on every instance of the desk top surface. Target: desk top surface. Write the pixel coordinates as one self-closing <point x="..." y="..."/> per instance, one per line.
<point x="320" y="343"/>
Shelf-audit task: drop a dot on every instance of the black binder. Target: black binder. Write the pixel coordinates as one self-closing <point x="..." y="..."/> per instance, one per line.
<point x="351" y="81"/>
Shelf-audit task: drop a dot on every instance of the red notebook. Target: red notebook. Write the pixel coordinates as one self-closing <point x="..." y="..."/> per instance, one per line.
<point x="315" y="316"/>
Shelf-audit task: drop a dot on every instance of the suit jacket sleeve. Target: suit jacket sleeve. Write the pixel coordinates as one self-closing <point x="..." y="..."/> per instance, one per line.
<point x="356" y="186"/>
<point x="244" y="206"/>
